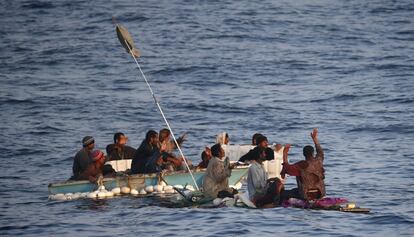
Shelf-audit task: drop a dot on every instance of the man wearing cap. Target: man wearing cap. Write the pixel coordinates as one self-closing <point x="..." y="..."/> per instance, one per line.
<point x="95" y="168"/>
<point x="83" y="157"/>
<point x="261" y="144"/>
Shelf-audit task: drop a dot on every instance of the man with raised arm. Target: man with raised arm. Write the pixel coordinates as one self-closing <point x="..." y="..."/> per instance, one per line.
<point x="310" y="174"/>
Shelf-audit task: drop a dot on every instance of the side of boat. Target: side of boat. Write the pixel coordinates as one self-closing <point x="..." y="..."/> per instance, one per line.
<point x="139" y="181"/>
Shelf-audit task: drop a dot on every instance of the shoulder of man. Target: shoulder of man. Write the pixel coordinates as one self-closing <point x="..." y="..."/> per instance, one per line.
<point x="110" y="148"/>
<point x="303" y="164"/>
<point x="130" y="149"/>
<point x="81" y="152"/>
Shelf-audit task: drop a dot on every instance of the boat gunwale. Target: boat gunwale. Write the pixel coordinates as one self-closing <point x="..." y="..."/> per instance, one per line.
<point x="151" y="175"/>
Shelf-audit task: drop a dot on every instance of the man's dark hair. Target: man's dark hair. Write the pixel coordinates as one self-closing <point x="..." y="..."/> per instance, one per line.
<point x="260" y="139"/>
<point x="254" y="138"/>
<point x="117" y="136"/>
<point x="308" y="151"/>
<point x="150" y="134"/>
<point x="215" y="150"/>
<point x="204" y="156"/>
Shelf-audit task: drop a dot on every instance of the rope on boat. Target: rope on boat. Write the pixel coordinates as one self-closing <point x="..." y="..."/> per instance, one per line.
<point x="132" y="51"/>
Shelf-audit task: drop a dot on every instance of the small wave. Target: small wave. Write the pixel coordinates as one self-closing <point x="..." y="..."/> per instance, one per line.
<point x="390" y="219"/>
<point x="132" y="17"/>
<point x="397" y="128"/>
<point x="10" y="177"/>
<point x="38" y="5"/>
<point x="16" y="101"/>
<point x="169" y="71"/>
<point x="398" y="100"/>
<point x="341" y="97"/>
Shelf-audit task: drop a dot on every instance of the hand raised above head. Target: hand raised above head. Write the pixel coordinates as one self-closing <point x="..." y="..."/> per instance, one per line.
<point x="184" y="136"/>
<point x="286" y="149"/>
<point x="285" y="153"/>
<point x="314" y="134"/>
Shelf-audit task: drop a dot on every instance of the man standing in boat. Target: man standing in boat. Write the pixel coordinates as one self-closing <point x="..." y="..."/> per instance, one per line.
<point x="83" y="158"/>
<point x="310" y="174"/>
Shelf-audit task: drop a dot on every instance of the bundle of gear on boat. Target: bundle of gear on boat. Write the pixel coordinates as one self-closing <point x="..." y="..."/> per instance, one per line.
<point x="156" y="154"/>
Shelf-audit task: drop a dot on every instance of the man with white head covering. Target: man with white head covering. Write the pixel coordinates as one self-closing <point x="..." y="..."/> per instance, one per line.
<point x="222" y="138"/>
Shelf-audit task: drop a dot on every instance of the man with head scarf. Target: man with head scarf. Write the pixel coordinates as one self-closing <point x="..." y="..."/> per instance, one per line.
<point x="83" y="157"/>
<point x="222" y="138"/>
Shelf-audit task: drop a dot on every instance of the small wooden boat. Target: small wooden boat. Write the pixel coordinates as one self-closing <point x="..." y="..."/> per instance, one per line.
<point x="139" y="181"/>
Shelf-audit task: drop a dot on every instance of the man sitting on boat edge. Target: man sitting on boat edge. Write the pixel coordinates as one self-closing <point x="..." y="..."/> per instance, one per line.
<point x="147" y="149"/>
<point x="264" y="191"/>
<point x="167" y="146"/>
<point x="216" y="179"/>
<point x="310" y="174"/>
<point x="205" y="158"/>
<point x="95" y="168"/>
<point x="83" y="157"/>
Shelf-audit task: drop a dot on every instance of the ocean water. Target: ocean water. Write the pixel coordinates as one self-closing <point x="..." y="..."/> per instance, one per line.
<point x="275" y="67"/>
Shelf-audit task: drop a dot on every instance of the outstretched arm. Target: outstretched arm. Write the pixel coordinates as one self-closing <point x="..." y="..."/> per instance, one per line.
<point x="319" y="151"/>
<point x="247" y="156"/>
<point x="291" y="169"/>
<point x="285" y="153"/>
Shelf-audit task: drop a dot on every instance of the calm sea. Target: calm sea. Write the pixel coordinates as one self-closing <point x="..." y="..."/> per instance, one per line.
<point x="275" y="67"/>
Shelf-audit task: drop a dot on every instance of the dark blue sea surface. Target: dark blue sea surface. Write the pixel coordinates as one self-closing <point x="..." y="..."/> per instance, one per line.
<point x="275" y="67"/>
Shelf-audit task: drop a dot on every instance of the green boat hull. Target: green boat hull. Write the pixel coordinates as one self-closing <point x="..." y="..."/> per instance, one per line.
<point x="140" y="181"/>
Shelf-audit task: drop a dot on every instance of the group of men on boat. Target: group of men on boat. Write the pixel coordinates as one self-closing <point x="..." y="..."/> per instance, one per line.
<point x="156" y="153"/>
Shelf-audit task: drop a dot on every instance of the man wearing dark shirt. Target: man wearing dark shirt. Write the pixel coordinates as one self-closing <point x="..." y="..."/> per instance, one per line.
<point x="262" y="144"/>
<point x="147" y="150"/>
<point x="119" y="150"/>
<point x="83" y="157"/>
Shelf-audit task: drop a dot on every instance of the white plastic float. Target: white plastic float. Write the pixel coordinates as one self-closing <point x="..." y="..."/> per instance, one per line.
<point x="102" y="193"/>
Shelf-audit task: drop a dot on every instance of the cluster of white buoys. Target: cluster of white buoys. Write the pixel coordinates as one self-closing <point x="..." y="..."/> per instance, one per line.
<point x="159" y="189"/>
<point x="225" y="201"/>
<point x="237" y="186"/>
<point x="102" y="193"/>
